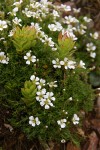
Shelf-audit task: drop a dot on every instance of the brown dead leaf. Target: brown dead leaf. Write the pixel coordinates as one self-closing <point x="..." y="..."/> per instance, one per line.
<point x="71" y="146"/>
<point x="51" y="144"/>
<point x="81" y="132"/>
<point x="93" y="139"/>
<point x="9" y="127"/>
<point x="97" y="109"/>
<point x="95" y="124"/>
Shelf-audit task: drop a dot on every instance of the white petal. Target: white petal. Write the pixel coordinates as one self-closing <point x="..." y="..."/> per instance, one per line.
<point x="28" y="62"/>
<point x="25" y="57"/>
<point x="59" y="122"/>
<point x="53" y="61"/>
<point x="30" y="122"/>
<point x="64" y="120"/>
<point x="33" y="124"/>
<point x="47" y="106"/>
<point x="28" y="54"/>
<point x="38" y="123"/>
<point x="32" y="77"/>
<point x="61" y="62"/>
<point x="31" y="118"/>
<point x="53" y="98"/>
<point x="63" y="125"/>
<point x="33" y="60"/>
<point x="51" y="104"/>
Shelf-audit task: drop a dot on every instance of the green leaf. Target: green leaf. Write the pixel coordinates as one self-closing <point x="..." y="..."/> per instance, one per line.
<point x="66" y="45"/>
<point x="24" y="38"/>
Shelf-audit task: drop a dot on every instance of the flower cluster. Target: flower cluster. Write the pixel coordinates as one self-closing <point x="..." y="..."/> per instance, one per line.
<point x="47" y="100"/>
<point x="91" y="49"/>
<point x="55" y="27"/>
<point x="44" y="98"/>
<point x="68" y="64"/>
<point x="43" y="36"/>
<point x="37" y="10"/>
<point x="70" y="20"/>
<point x="16" y="8"/>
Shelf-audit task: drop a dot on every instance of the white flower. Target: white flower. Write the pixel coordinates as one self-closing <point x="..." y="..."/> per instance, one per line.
<point x="17" y="21"/>
<point x="49" y="42"/>
<point x="94" y="35"/>
<point x="34" y="79"/>
<point x="41" y="83"/>
<point x="62" y="123"/>
<point x="14" y="11"/>
<point x="81" y="29"/>
<point x="69" y="33"/>
<point x="63" y="141"/>
<point x="36" y="25"/>
<point x="29" y="58"/>
<point x="65" y="8"/>
<point x="11" y="33"/>
<point x="27" y="13"/>
<point x="52" y="27"/>
<point x="46" y="103"/>
<point x="86" y="19"/>
<point x="56" y="63"/>
<point x="70" y="99"/>
<point x="90" y="47"/>
<point x="68" y="64"/>
<point x="3" y="25"/>
<point x="65" y="62"/>
<point x="49" y="96"/>
<point x="82" y="64"/>
<point x="71" y="64"/>
<point x="55" y="27"/>
<point x="17" y="4"/>
<point x="44" y="1"/>
<point x="70" y="29"/>
<point x="75" y="119"/>
<point x="46" y="100"/>
<point x="93" y="54"/>
<point x="70" y="19"/>
<point x="55" y="13"/>
<point x="52" y="84"/>
<point x="34" y="121"/>
<point x="3" y="58"/>
<point x="54" y="48"/>
<point x="40" y="94"/>
<point x="76" y="10"/>
<point x="59" y="26"/>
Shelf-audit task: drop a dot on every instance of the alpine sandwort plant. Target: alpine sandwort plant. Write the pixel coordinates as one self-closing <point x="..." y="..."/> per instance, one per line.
<point x="45" y="59"/>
